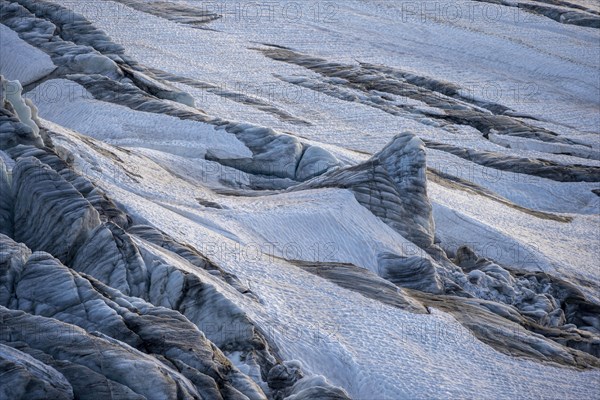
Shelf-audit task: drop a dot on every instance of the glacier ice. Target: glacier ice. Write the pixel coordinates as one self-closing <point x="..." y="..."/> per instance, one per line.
<point x="164" y="236"/>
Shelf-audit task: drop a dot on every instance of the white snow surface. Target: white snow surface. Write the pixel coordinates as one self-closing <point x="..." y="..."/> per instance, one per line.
<point x="120" y="125"/>
<point x="20" y="60"/>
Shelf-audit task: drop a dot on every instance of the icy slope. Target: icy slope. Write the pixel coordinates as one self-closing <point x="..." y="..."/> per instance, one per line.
<point x="328" y="204"/>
